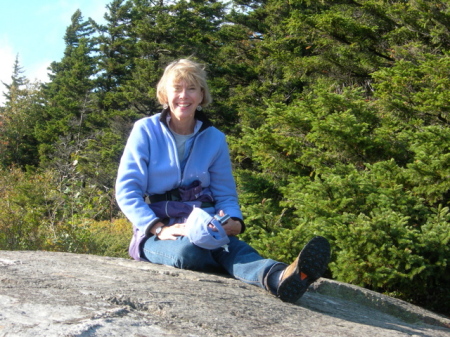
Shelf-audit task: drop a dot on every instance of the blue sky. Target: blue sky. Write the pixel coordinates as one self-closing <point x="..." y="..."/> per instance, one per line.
<point x="34" y="29"/>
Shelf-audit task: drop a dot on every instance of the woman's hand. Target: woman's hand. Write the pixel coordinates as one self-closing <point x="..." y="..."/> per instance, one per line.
<point x="231" y="227"/>
<point x="172" y="232"/>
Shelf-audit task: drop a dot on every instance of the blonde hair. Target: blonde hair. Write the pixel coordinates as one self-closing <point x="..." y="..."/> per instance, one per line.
<point x="183" y="70"/>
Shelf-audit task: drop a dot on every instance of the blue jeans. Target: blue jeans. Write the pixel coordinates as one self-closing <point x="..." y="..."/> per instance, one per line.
<point x="242" y="261"/>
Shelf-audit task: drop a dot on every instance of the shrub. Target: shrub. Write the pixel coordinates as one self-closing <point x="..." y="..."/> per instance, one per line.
<point x="385" y="237"/>
<point x="45" y="211"/>
<point x="22" y="209"/>
<point x="109" y="238"/>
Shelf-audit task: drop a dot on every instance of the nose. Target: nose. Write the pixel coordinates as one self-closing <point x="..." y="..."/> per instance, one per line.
<point x="183" y="93"/>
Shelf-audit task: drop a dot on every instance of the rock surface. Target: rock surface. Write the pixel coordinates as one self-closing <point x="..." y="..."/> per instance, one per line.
<point x="60" y="294"/>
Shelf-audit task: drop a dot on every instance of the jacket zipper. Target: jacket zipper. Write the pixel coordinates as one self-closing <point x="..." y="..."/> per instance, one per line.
<point x="181" y="172"/>
<point x="189" y="155"/>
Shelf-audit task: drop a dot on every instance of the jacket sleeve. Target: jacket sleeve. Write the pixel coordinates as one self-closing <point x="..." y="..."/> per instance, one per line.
<point x="131" y="183"/>
<point x="222" y="184"/>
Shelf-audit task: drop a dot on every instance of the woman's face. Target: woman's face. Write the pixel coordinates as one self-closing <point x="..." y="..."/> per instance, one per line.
<point x="183" y="98"/>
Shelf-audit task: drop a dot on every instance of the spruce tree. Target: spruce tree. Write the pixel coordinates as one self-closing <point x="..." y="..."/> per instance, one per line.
<point x="358" y="153"/>
<point x="18" y="146"/>
<point x="116" y="54"/>
<point x="166" y="31"/>
<point x="114" y="64"/>
<point x="69" y="115"/>
<point x="18" y="81"/>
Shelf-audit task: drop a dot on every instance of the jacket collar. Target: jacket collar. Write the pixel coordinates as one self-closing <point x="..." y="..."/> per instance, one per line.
<point x="199" y="115"/>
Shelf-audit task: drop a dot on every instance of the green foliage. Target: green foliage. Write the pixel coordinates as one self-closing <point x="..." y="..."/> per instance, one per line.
<point x="109" y="238"/>
<point x="384" y="236"/>
<point x="22" y="208"/>
<point x="42" y="211"/>
<point x="325" y="163"/>
<point x="69" y="113"/>
<point x="414" y="91"/>
<point x="430" y="171"/>
<point x="18" y="146"/>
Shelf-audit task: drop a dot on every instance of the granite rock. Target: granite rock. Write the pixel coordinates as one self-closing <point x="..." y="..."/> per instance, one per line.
<point x="61" y="294"/>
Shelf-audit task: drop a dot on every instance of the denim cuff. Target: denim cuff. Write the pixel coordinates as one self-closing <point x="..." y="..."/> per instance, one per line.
<point x="272" y="278"/>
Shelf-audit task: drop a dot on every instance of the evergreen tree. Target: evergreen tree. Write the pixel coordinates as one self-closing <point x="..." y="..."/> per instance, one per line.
<point x="69" y="114"/>
<point x="17" y="82"/>
<point x="18" y="145"/>
<point x="359" y="154"/>
<point x="166" y="31"/>
<point x="117" y="51"/>
<point x="114" y="62"/>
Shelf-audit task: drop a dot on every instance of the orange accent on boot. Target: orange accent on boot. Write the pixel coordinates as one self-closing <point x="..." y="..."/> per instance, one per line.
<point x="303" y="276"/>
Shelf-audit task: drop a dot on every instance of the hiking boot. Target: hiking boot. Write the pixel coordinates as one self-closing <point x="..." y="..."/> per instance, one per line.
<point x="310" y="264"/>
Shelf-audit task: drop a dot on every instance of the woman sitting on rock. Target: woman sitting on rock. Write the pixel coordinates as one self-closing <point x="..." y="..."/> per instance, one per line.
<point x="175" y="185"/>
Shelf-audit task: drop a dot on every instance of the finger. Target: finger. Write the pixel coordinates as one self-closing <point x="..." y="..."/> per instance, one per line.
<point x="213" y="228"/>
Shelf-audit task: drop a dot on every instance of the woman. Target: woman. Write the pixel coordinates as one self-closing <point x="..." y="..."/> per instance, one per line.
<point x="177" y="156"/>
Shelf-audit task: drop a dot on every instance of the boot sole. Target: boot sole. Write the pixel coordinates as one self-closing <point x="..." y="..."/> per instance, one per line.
<point x="313" y="262"/>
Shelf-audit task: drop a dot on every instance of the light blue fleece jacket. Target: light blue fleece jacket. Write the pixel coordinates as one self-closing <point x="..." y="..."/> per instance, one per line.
<point x="150" y="165"/>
